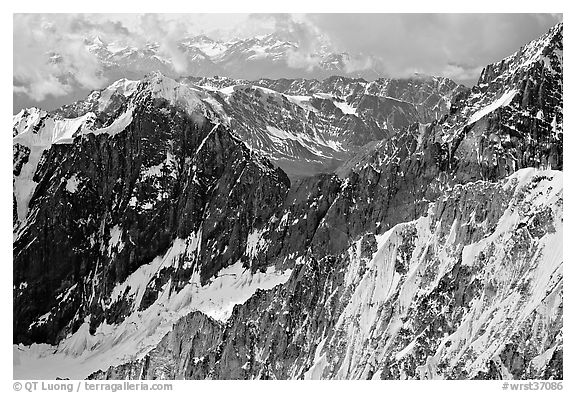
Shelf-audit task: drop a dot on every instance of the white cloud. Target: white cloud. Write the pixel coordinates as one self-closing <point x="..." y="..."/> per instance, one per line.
<point x="37" y="72"/>
<point x="359" y="63"/>
<point x="167" y="34"/>
<point x="459" y="73"/>
<point x="432" y="43"/>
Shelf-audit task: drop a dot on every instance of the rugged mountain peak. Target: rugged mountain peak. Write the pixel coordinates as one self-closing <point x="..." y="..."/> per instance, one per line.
<point x="513" y="117"/>
<point x="134" y="192"/>
<point x="103" y="103"/>
<point x="197" y="103"/>
<point x="546" y="50"/>
<point x="36" y="127"/>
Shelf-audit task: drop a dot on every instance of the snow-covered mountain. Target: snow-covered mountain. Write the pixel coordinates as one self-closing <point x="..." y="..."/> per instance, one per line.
<point x="157" y="234"/>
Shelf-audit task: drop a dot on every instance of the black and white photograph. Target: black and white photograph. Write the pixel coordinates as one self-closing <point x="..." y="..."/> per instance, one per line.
<point x="287" y="196"/>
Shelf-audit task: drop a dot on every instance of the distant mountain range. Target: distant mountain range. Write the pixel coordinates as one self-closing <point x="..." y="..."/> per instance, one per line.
<point x="271" y="56"/>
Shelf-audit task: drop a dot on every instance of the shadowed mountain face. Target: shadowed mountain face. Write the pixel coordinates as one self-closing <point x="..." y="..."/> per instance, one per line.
<point x="291" y="228"/>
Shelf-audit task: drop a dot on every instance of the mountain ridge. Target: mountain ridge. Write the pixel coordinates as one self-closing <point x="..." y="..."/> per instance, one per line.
<point x="305" y="126"/>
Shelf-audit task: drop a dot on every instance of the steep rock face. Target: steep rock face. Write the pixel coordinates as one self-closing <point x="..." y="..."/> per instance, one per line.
<point x="118" y="201"/>
<point x="188" y="350"/>
<point x="440" y="289"/>
<point x="471" y="290"/>
<point x="397" y="177"/>
<point x="512" y="118"/>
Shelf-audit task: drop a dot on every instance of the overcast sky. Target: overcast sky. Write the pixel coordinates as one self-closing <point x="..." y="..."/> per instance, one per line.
<point x="452" y="45"/>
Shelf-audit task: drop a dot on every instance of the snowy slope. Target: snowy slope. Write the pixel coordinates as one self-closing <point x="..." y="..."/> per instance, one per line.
<point x="82" y="353"/>
<point x="35" y="131"/>
<point x="473" y="289"/>
<point x="496" y="312"/>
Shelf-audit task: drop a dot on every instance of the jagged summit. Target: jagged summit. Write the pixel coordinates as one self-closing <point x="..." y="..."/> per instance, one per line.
<point x="546" y="50"/>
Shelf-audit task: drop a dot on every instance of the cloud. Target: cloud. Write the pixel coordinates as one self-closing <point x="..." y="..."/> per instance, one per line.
<point x="167" y="34"/>
<point x="49" y="57"/>
<point x="295" y="29"/>
<point x="359" y="63"/>
<point x="83" y="23"/>
<point x="309" y="45"/>
<point x="460" y="73"/>
<point x="453" y="45"/>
